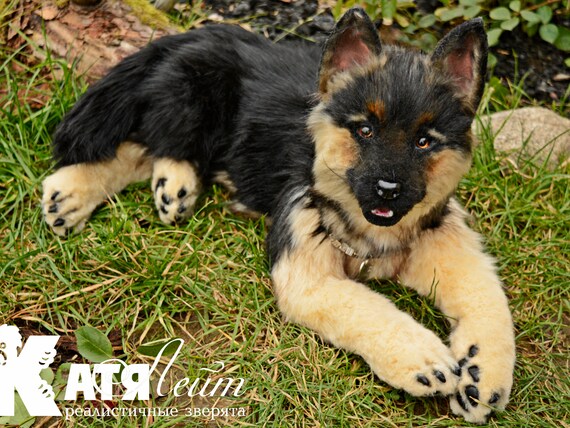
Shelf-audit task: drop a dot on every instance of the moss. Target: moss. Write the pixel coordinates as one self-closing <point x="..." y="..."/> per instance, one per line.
<point x="61" y="3"/>
<point x="149" y="15"/>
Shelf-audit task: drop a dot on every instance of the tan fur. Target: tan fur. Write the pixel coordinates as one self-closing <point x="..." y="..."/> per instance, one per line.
<point x="377" y="108"/>
<point x="336" y="151"/>
<point x="80" y="188"/>
<point x="469" y="292"/>
<point x="180" y="176"/>
<point x="223" y="178"/>
<point x="313" y="289"/>
<point x="444" y="171"/>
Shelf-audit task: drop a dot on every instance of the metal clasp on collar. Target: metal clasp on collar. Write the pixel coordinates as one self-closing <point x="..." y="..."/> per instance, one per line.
<point x="363" y="270"/>
<point x="364" y="267"/>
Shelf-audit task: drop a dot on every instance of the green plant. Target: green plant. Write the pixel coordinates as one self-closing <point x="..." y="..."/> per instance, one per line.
<point x="534" y="17"/>
<point x="388" y="10"/>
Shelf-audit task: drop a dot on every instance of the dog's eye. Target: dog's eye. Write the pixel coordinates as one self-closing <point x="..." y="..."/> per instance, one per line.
<point x="365" y="131"/>
<point x="423" y="143"/>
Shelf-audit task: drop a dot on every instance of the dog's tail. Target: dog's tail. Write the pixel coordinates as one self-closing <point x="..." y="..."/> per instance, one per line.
<point x="107" y="113"/>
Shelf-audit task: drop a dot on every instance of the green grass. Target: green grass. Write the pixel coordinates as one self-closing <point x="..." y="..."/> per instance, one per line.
<point x="208" y="282"/>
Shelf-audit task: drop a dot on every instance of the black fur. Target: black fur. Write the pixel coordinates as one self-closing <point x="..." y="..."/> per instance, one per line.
<point x="228" y="100"/>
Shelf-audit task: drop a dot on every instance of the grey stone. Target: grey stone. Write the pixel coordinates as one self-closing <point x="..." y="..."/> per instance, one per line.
<point x="530" y="132"/>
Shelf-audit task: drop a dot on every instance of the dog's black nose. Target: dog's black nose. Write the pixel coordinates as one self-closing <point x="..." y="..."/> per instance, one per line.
<point x="388" y="190"/>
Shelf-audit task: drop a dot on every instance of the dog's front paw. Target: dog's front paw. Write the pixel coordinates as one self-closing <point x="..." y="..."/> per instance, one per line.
<point x="176" y="187"/>
<point x="69" y="198"/>
<point x="418" y="362"/>
<point x="485" y="381"/>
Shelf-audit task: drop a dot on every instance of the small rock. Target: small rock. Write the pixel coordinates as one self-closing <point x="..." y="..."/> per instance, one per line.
<point x="242" y="8"/>
<point x="533" y="132"/>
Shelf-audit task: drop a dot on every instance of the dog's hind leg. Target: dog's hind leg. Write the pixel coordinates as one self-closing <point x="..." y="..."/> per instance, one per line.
<point x="176" y="186"/>
<point x="72" y="193"/>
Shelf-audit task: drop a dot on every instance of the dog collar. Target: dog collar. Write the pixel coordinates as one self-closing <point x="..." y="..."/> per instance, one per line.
<point x="364" y="267"/>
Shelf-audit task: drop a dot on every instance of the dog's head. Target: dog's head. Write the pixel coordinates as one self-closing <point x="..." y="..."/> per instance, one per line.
<point x="392" y="129"/>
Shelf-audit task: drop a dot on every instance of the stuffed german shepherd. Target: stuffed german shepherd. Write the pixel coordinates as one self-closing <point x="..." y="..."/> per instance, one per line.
<point x="354" y="151"/>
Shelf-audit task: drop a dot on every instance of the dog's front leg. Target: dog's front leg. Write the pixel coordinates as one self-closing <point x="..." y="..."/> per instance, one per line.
<point x="313" y="290"/>
<point x="449" y="263"/>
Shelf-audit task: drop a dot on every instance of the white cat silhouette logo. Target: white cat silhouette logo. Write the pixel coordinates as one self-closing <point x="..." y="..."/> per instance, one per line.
<point x="21" y="372"/>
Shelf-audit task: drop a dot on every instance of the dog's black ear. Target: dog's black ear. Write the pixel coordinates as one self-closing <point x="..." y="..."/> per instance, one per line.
<point x="354" y="41"/>
<point x="462" y="54"/>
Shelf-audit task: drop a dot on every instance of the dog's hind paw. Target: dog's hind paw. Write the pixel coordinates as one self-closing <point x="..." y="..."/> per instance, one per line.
<point x="69" y="197"/>
<point x="176" y="187"/>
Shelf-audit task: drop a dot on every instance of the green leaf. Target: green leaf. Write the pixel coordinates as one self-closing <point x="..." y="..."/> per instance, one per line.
<point x="60" y="381"/>
<point x="491" y="61"/>
<point x="563" y="40"/>
<point x="47" y="375"/>
<point x="548" y="33"/>
<point x="510" y="24"/>
<point x="531" y="17"/>
<point x="471" y="12"/>
<point x="427" y="21"/>
<point x="493" y="36"/>
<point x="93" y="345"/>
<point x="446" y="14"/>
<point x="500" y="14"/>
<point x="427" y="42"/>
<point x="402" y="20"/>
<point x="545" y="14"/>
<point x="62" y="374"/>
<point x="468" y="3"/>
<point x="152" y="349"/>
<point x="21" y="416"/>
<point x="567" y="62"/>
<point x="388" y="8"/>
<point x="515" y="5"/>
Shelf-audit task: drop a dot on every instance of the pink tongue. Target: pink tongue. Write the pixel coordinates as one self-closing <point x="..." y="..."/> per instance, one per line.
<point x="383" y="212"/>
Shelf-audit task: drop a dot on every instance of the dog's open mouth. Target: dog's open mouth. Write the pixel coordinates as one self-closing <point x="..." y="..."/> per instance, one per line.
<point x="383" y="212"/>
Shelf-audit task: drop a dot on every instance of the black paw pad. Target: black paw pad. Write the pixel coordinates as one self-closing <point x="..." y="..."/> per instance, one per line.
<point x="472" y="394"/>
<point x="160" y="183"/>
<point x="54" y="195"/>
<point x="166" y="199"/>
<point x="163" y="209"/>
<point x="59" y="222"/>
<point x="462" y="362"/>
<point x="53" y="209"/>
<point x="456" y="371"/>
<point x="473" y="350"/>
<point x="181" y="209"/>
<point x="423" y="380"/>
<point x="181" y="193"/>
<point x="440" y="376"/>
<point x="474" y="373"/>
<point x="495" y="398"/>
<point x="460" y="401"/>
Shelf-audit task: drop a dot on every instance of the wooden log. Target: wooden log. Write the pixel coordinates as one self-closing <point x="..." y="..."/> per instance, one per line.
<point x="91" y="39"/>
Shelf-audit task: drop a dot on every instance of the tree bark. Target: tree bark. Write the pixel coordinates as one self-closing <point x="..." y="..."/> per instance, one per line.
<point x="91" y="39"/>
